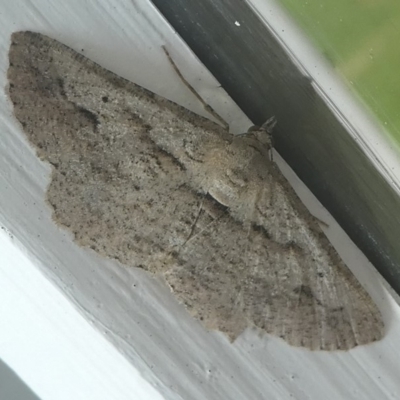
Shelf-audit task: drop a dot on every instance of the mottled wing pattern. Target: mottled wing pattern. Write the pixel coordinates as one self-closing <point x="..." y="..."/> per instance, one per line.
<point x="143" y="180"/>
<point x="112" y="186"/>
<point x="267" y="263"/>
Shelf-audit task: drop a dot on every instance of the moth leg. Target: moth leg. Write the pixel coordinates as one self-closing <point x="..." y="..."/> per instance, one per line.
<point x="193" y="225"/>
<point x="194" y="235"/>
<point x="206" y="106"/>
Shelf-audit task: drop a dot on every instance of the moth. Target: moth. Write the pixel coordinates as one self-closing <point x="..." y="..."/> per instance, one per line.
<point x="143" y="180"/>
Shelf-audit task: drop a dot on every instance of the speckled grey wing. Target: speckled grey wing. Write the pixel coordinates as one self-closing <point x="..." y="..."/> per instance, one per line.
<point x="240" y="277"/>
<point x="111" y="185"/>
<point x="266" y="263"/>
<point x="142" y="180"/>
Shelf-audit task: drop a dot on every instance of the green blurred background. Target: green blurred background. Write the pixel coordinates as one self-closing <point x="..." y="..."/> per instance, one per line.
<point x="361" y="38"/>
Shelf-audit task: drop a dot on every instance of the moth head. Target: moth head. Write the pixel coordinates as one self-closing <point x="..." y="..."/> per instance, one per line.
<point x="263" y="133"/>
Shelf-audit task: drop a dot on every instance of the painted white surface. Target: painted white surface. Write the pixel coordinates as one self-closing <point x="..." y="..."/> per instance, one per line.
<point x="77" y="326"/>
<point x="59" y="354"/>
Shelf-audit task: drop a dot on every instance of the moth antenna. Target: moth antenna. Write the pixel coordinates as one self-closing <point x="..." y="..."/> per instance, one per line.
<point x="206" y="106"/>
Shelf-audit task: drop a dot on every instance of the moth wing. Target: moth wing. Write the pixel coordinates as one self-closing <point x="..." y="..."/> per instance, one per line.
<point x="270" y="265"/>
<point x="121" y="183"/>
<point x="112" y="186"/>
<point x="231" y="278"/>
